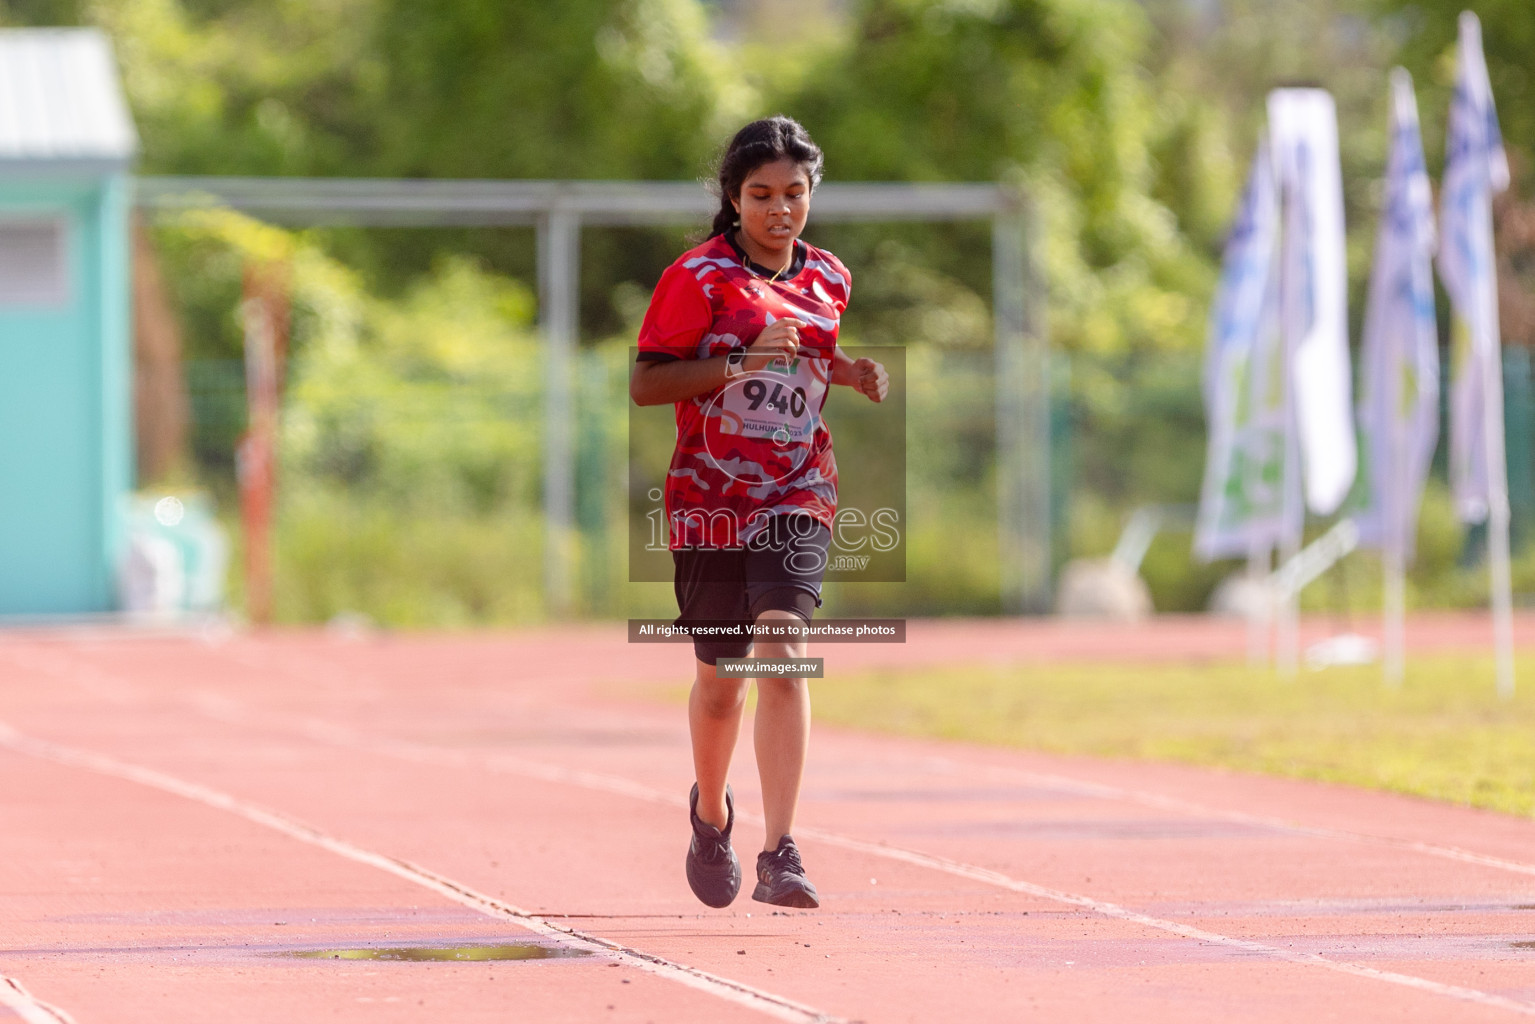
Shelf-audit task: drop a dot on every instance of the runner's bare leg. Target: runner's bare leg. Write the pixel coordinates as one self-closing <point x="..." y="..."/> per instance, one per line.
<point x="715" y="707"/>
<point x="781" y="731"/>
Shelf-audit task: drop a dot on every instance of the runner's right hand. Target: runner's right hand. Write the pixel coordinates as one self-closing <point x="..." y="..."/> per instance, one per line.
<point x="778" y="341"/>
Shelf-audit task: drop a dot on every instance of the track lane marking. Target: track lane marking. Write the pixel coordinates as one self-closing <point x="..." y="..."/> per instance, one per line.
<point x="1105" y="791"/>
<point x="737" y="992"/>
<point x="1113" y="910"/>
<point x="27" y="1006"/>
<point x="617" y="785"/>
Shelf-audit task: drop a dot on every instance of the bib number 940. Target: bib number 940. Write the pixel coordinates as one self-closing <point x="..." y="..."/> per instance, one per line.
<point x="785" y="401"/>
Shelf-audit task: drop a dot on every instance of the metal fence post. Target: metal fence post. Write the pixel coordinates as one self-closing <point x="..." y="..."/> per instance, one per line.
<point x="559" y="269"/>
<point x="1023" y="417"/>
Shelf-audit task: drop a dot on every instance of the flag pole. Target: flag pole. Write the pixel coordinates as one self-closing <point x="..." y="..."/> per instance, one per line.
<point x="1260" y="611"/>
<point x="1499" y="571"/>
<point x="1287" y="626"/>
<point x="1395" y="613"/>
<point x="1293" y="514"/>
<point x="1497" y="532"/>
<point x="1394" y="517"/>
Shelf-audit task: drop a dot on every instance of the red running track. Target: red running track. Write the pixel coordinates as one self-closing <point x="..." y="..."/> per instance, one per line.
<point x="179" y="812"/>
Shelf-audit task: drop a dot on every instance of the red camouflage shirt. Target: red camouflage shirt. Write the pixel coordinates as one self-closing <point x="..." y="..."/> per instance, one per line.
<point x="757" y="445"/>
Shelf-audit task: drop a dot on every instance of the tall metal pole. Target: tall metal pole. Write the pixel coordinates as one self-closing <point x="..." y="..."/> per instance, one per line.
<point x="264" y="312"/>
<point x="1260" y="612"/>
<point x="1293" y="517"/>
<point x="1500" y="574"/>
<point x="1395" y="514"/>
<point x="1287" y="633"/>
<point x="559" y="267"/>
<point x="1023" y="417"/>
<point x="1394" y="660"/>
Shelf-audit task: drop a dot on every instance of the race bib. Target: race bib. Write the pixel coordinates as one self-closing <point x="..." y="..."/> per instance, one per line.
<point x="760" y="427"/>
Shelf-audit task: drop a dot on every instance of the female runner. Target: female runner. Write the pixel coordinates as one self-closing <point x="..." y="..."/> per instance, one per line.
<point x="742" y="335"/>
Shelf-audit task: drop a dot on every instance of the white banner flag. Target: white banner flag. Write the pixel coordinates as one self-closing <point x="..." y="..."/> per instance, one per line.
<point x="1399" y="399"/>
<point x="1241" y="502"/>
<point x="1474" y="169"/>
<point x="1313" y="299"/>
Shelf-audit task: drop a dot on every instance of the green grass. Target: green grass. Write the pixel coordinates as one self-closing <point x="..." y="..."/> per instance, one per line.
<point x="1444" y="734"/>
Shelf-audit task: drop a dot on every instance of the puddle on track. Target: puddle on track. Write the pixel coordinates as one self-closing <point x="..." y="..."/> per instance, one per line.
<point x="1523" y="945"/>
<point x="438" y="954"/>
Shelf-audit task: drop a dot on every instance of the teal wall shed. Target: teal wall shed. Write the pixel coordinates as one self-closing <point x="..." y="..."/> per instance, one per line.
<point x="66" y="145"/>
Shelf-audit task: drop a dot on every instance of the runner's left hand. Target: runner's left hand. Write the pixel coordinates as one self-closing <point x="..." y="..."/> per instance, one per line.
<point x="871" y="378"/>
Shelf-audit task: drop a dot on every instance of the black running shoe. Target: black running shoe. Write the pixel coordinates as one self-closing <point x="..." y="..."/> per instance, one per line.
<point x="714" y="873"/>
<point x="781" y="878"/>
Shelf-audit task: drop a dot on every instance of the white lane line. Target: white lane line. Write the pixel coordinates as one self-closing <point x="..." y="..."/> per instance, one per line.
<point x="1113" y="910"/>
<point x="779" y="1007"/>
<point x="1104" y="791"/>
<point x="27" y="1006"/>
<point x="619" y="786"/>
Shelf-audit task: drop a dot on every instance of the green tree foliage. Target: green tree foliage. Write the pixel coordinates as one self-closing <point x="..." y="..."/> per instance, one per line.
<point x="1216" y="64"/>
<point x="476" y="88"/>
<point x="1049" y="91"/>
<point x="40" y="12"/>
<point x="393" y="88"/>
<point x="275" y="88"/>
<point x="528" y="89"/>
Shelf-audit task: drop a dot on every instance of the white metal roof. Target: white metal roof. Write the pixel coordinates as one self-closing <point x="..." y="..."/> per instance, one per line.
<point x="60" y="100"/>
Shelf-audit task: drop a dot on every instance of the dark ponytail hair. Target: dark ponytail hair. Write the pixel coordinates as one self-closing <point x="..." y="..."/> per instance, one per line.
<point x="762" y="142"/>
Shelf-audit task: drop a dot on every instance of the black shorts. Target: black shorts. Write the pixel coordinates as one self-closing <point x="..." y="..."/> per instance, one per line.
<point x="780" y="568"/>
